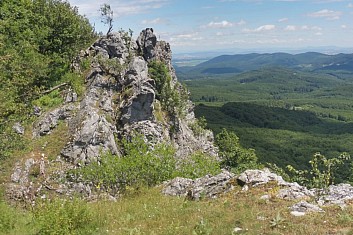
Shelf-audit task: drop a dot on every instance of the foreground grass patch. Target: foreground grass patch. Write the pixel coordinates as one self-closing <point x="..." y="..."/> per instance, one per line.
<point x="147" y="211"/>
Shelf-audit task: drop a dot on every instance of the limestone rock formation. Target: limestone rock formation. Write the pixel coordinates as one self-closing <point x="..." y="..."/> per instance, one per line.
<point x="303" y="207"/>
<point x="213" y="186"/>
<point x="119" y="101"/>
<point x="208" y="186"/>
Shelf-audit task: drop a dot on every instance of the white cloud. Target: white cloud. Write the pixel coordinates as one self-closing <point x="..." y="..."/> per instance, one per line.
<point x="343" y="26"/>
<point x="325" y="13"/>
<point x="90" y="8"/>
<point x="283" y="20"/>
<point x="316" y="28"/>
<point x="291" y="28"/>
<point x="188" y="39"/>
<point x="263" y="28"/>
<point x="241" y="22"/>
<point x="154" y="21"/>
<point x="350" y="5"/>
<point x="221" y="24"/>
<point x="303" y="27"/>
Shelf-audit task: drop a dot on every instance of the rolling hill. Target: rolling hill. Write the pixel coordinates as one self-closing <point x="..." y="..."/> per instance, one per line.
<point x="230" y="64"/>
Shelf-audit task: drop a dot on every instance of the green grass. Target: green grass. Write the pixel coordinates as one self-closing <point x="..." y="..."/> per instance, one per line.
<point x="147" y="211"/>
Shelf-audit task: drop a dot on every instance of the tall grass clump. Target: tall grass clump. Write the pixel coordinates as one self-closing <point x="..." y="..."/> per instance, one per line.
<point x="64" y="216"/>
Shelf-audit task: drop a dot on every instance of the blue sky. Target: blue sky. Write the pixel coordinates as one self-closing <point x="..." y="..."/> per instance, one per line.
<point x="206" y="25"/>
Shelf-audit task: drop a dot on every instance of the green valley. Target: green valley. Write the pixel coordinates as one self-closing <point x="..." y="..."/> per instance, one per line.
<point x="285" y="114"/>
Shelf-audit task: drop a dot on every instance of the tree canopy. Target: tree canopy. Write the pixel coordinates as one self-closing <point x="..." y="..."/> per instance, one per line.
<point x="38" y="40"/>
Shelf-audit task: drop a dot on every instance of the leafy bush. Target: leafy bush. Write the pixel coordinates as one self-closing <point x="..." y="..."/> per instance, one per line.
<point x="9" y="141"/>
<point x="197" y="165"/>
<point x="173" y="97"/>
<point x="144" y="166"/>
<point x="76" y="82"/>
<point x="322" y="171"/>
<point x="50" y="100"/>
<point x="232" y="154"/>
<point x="198" y="127"/>
<point x="64" y="217"/>
<point x="141" y="165"/>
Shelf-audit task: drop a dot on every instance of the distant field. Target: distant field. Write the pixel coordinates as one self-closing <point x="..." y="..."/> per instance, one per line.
<point x="185" y="63"/>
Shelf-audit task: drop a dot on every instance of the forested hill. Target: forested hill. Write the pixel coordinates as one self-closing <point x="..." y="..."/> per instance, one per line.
<point x="310" y="61"/>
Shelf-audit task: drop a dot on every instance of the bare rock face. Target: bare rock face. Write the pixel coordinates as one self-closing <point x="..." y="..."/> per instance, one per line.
<point x="288" y="190"/>
<point x="303" y="207"/>
<point x="120" y="101"/>
<point x="258" y="177"/>
<point x="146" y="43"/>
<point x="208" y="186"/>
<point x="50" y="120"/>
<point x="139" y="107"/>
<point x="18" y="128"/>
<point x="336" y="195"/>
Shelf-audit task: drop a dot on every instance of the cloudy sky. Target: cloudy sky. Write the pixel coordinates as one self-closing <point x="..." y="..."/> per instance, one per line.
<point x="205" y="25"/>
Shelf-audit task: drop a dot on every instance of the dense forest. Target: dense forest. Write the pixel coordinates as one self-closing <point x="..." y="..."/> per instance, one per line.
<point x="286" y="114"/>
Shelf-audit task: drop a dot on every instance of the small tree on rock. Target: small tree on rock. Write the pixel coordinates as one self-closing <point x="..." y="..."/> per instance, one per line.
<point x="107" y="15"/>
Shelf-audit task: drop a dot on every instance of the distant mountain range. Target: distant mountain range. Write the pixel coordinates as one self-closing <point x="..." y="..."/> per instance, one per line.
<point x="309" y="61"/>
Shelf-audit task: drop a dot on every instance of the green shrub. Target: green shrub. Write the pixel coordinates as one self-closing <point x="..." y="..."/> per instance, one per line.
<point x="233" y="156"/>
<point x="10" y="141"/>
<point x="76" y="82"/>
<point x="50" y="100"/>
<point x="197" y="165"/>
<point x="322" y="171"/>
<point x="141" y="165"/>
<point x="61" y="216"/>
<point x="198" y="127"/>
<point x="173" y="97"/>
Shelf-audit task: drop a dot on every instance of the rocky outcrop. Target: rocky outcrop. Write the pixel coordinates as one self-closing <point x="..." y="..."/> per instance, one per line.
<point x="208" y="186"/>
<point x="213" y="186"/>
<point x="303" y="207"/>
<point x="50" y="120"/>
<point x="138" y="107"/>
<point x="288" y="190"/>
<point x="119" y="100"/>
<point x="18" y="128"/>
<point x="146" y="43"/>
<point x="336" y="195"/>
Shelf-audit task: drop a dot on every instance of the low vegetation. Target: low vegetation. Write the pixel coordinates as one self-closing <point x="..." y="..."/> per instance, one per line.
<point x="143" y="166"/>
<point x="172" y="95"/>
<point x="232" y="155"/>
<point x="147" y="211"/>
